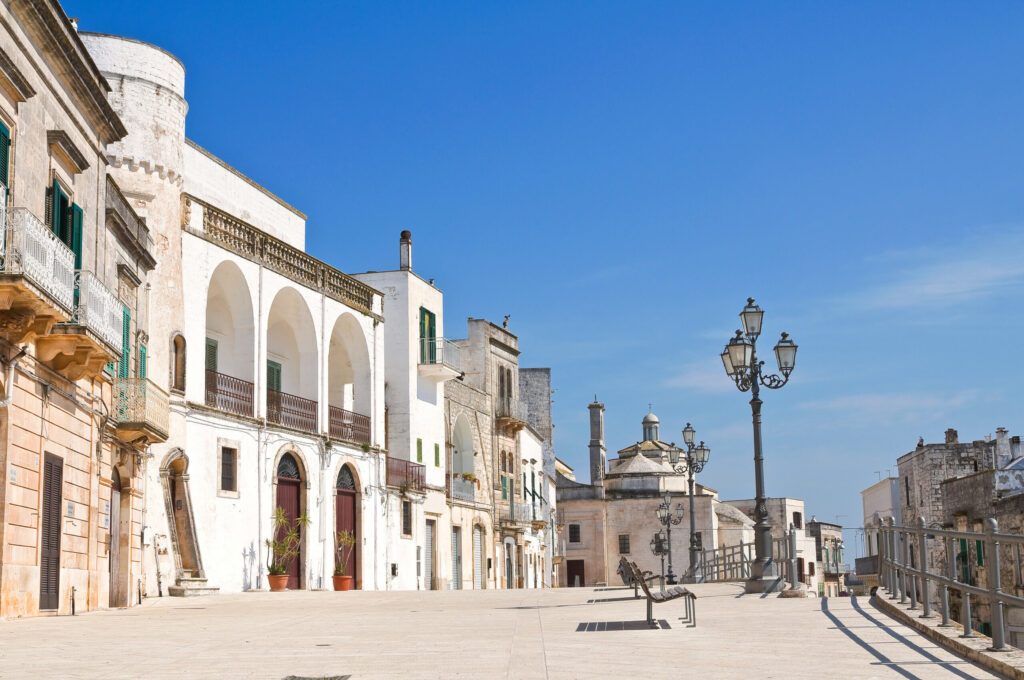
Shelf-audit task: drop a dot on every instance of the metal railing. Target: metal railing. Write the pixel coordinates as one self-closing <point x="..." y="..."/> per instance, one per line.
<point x="137" y="400"/>
<point x="258" y="246"/>
<point x="31" y="249"/>
<point x="440" y="351"/>
<point x="291" y="410"/>
<point x="833" y="568"/>
<point x="405" y="473"/>
<point x="348" y="425"/>
<point x="460" y="488"/>
<point x="98" y="310"/>
<point x="228" y="393"/>
<point x="906" y="574"/>
<point x="733" y="562"/>
<point x="508" y="407"/>
<point x="515" y="513"/>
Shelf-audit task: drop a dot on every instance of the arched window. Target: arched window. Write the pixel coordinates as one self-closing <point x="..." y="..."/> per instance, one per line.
<point x="502" y="461"/>
<point x="501" y="382"/>
<point x="288" y="468"/>
<point x="178" y="363"/>
<point x="508" y="382"/>
<point x="345" y="480"/>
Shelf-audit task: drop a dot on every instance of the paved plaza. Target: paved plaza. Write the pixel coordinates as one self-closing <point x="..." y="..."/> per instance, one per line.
<point x="565" y="633"/>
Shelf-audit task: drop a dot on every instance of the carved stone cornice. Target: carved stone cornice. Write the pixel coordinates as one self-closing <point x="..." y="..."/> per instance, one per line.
<point x="59" y="141"/>
<point x="16" y="81"/>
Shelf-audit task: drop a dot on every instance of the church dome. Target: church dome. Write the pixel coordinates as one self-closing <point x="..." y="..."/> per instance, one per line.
<point x="651" y="419"/>
<point x="650" y="426"/>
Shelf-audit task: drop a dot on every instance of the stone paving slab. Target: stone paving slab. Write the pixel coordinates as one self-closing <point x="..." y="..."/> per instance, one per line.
<point x="476" y="634"/>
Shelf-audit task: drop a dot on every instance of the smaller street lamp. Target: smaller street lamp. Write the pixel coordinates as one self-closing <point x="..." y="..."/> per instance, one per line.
<point x="693" y="461"/>
<point x="658" y="548"/>
<point x="668" y="520"/>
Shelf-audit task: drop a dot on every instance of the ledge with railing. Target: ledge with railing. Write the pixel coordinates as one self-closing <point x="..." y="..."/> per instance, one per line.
<point x="228" y="393"/>
<point x="30" y="249"/>
<point x="440" y="352"/>
<point x="348" y="425"/>
<point x="255" y="245"/>
<point x="461" y="488"/>
<point x="516" y="513"/>
<point x="512" y="409"/>
<point x="733" y="562"/>
<point x="98" y="310"/>
<point x="405" y="474"/>
<point x="291" y="411"/>
<point x="903" y="549"/>
<point x="866" y="566"/>
<point x="141" y="409"/>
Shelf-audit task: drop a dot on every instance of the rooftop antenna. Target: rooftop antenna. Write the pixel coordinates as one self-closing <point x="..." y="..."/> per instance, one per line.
<point x="879" y="473"/>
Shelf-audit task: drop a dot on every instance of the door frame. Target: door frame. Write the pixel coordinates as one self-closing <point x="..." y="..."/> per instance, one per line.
<point x="357" y="515"/>
<point x="303" y="486"/>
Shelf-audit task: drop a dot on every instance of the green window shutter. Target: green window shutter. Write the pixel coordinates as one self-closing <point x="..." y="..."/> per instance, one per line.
<point x="142" y="361"/>
<point x="211" y="355"/>
<point x="76" y="233"/>
<point x="437" y="455"/>
<point x="53" y="207"/>
<point x="504" y="487"/>
<point x="979" y="551"/>
<point x="126" y="339"/>
<point x="5" y="155"/>
<point x="274" y="376"/>
<point x="419" y="450"/>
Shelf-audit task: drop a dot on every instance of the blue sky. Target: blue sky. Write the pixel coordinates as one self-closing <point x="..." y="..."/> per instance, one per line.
<point x="619" y="177"/>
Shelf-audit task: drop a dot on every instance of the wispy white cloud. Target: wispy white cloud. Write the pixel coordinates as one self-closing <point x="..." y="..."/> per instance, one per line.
<point x="981" y="266"/>
<point x="889" y="407"/>
<point x="702" y="376"/>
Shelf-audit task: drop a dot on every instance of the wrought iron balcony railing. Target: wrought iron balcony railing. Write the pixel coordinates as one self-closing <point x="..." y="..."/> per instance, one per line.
<point x="354" y="427"/>
<point x="98" y="310"/>
<point x="31" y="249"/>
<point x="516" y="513"/>
<point x="141" y="406"/>
<point x="406" y="474"/>
<point x="463" y="489"/>
<point x="228" y="393"/>
<point x="291" y="411"/>
<point x="513" y="409"/>
<point x="440" y="351"/>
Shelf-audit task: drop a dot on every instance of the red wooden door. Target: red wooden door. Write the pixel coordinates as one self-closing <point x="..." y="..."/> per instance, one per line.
<point x="288" y="498"/>
<point x="345" y="517"/>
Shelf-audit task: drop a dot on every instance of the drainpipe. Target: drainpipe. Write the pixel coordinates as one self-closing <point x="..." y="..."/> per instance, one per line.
<point x="12" y="363"/>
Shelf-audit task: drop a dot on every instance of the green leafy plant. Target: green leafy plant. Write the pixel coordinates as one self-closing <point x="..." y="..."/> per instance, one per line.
<point x="403" y="488"/>
<point x="366" y="448"/>
<point x="344" y="544"/>
<point x="468" y="476"/>
<point x="286" y="542"/>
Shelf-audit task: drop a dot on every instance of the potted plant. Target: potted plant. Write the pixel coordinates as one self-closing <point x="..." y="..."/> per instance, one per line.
<point x="344" y="544"/>
<point x="468" y="477"/>
<point x="283" y="547"/>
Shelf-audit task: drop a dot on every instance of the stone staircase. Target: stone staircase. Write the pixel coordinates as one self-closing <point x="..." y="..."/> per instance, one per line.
<point x="190" y="584"/>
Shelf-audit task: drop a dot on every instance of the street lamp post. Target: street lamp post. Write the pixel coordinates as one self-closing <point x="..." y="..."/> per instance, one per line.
<point x="746" y="370"/>
<point x="658" y="548"/>
<point x="695" y="458"/>
<point x="668" y="520"/>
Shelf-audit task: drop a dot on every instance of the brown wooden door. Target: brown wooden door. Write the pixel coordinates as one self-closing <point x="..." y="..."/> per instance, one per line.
<point x="114" y="552"/>
<point x="574" y="569"/>
<point x="49" y="558"/>
<point x="288" y="498"/>
<point x="345" y="518"/>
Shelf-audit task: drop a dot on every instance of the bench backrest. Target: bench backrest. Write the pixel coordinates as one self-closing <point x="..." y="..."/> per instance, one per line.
<point x="625" y="571"/>
<point x="640" y="577"/>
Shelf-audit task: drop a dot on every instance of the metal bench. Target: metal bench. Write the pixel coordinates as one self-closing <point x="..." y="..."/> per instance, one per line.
<point x="625" y="571"/>
<point x="661" y="596"/>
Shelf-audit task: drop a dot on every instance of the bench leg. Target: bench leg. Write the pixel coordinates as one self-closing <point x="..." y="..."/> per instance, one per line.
<point x="650" y="613"/>
<point x="636" y="589"/>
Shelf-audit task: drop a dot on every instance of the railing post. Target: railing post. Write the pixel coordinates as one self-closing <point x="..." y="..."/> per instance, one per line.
<point x="792" y="557"/>
<point x="965" y="615"/>
<point x="951" y="573"/>
<point x="901" y="550"/>
<point x="995" y="586"/>
<point x="911" y="579"/>
<point x="922" y="544"/>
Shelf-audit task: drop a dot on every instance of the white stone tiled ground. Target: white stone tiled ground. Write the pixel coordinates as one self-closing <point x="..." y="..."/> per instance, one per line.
<point x="466" y="634"/>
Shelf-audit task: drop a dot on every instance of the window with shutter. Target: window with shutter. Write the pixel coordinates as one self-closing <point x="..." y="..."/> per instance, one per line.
<point x="5" y="154"/>
<point x="76" y="234"/>
<point x="211" y="355"/>
<point x="274" y="376"/>
<point x="59" y="213"/>
<point x="419" y="450"/>
<point x="142" y="362"/>
<point x="574" y="533"/>
<point x="504" y="487"/>
<point x="437" y="455"/>
<point x="227" y="469"/>
<point x="126" y="339"/>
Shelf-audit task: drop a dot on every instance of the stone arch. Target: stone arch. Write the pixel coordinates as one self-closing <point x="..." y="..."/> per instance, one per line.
<point x="292" y="366"/>
<point x="290" y="491"/>
<point x="174" y="477"/>
<point x="230" y="323"/>
<point x="348" y="515"/>
<point x="349" y="381"/>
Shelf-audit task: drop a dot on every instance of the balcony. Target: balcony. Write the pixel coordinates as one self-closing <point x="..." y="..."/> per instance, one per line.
<point x="461" y="488"/>
<point x="291" y="411"/>
<point x="866" y="566"/>
<point x="230" y="394"/>
<point x="37" y="276"/>
<point x="440" y="359"/>
<point x="833" y="568"/>
<point x="516" y="513"/>
<point x="353" y="427"/>
<point x="141" y="411"/>
<point x="92" y="338"/>
<point x="511" y="413"/>
<point x="404" y="474"/>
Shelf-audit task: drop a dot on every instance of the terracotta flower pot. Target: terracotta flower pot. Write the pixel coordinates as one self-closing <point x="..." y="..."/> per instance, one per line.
<point x="278" y="583"/>
<point x="342" y="582"/>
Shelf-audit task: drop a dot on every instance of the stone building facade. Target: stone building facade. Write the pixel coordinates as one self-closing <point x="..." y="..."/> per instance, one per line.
<point x="78" y="412"/>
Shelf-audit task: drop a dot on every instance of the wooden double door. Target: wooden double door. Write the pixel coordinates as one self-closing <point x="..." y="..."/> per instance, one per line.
<point x="288" y="498"/>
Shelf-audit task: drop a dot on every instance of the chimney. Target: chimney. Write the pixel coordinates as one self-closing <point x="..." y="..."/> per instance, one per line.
<point x="597" y="451"/>
<point x="952" y="437"/>
<point x="1003" y="455"/>
<point x="405" y="251"/>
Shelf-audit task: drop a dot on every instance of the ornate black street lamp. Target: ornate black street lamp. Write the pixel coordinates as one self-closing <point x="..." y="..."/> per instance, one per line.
<point x="669" y="520"/>
<point x="694" y="459"/>
<point x="745" y="369"/>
